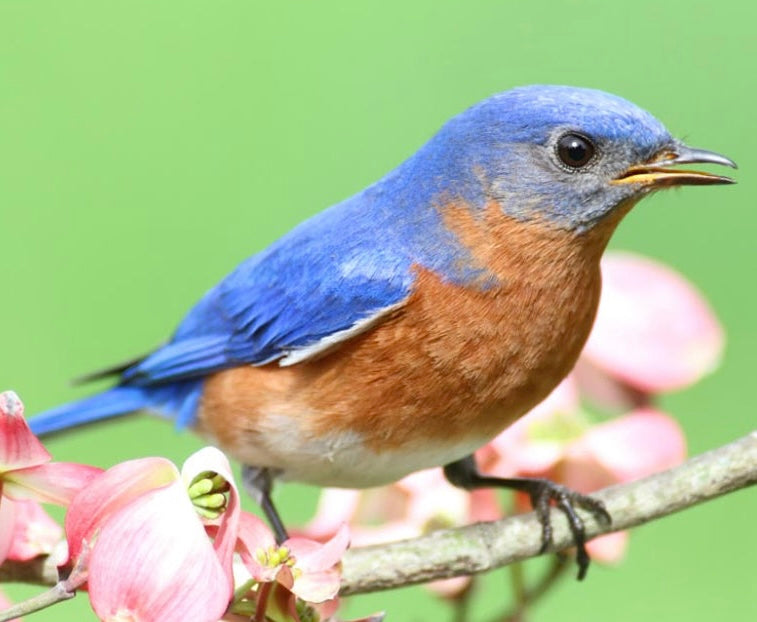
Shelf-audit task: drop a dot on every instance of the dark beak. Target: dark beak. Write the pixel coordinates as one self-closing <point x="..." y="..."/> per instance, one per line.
<point x="656" y="174"/>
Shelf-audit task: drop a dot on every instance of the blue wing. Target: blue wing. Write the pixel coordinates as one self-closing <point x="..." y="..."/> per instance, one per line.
<point x="328" y="279"/>
<point x="334" y="276"/>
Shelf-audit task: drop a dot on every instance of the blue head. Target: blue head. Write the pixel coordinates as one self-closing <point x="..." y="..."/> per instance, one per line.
<point x="568" y="156"/>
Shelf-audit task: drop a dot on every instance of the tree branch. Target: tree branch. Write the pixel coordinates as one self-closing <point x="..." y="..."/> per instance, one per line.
<point x="485" y="546"/>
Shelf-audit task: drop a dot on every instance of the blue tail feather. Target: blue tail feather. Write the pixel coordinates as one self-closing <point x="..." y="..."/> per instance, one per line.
<point x="170" y="400"/>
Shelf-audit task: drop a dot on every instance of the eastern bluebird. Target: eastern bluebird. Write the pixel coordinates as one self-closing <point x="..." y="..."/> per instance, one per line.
<point x="408" y="325"/>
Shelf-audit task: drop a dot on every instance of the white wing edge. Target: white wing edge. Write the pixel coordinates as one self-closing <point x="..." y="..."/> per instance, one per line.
<point x="326" y="343"/>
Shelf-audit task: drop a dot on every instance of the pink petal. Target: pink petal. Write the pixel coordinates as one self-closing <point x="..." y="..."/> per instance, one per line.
<point x="432" y="501"/>
<point x="529" y="446"/>
<point x="34" y="533"/>
<point x="312" y="556"/>
<point x="604" y="390"/>
<point x="327" y="609"/>
<point x="109" y="492"/>
<point x="19" y="448"/>
<point x="518" y="454"/>
<point x="653" y="330"/>
<point x="335" y="506"/>
<point x="610" y="548"/>
<point x="152" y="561"/>
<point x="534" y="459"/>
<point x="253" y="536"/>
<point x="254" y="533"/>
<point x="484" y="505"/>
<point x="54" y="482"/>
<point x="641" y="443"/>
<point x="399" y="511"/>
<point x="421" y="481"/>
<point x="563" y="400"/>
<point x="362" y="535"/>
<point x="211" y="459"/>
<point x="449" y="588"/>
<point x="317" y="587"/>
<point x="581" y="471"/>
<point x="7" y="526"/>
<point x="317" y="577"/>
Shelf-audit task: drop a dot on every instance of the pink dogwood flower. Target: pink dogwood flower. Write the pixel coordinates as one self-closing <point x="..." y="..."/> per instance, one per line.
<point x="136" y="538"/>
<point x="654" y="332"/>
<point x="309" y="569"/>
<point x="26" y="473"/>
<point x="154" y="544"/>
<point x="295" y="581"/>
<point x="34" y="532"/>
<point x="560" y="442"/>
<point x="415" y="505"/>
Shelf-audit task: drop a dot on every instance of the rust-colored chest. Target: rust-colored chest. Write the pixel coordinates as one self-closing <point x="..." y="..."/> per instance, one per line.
<point x="455" y="364"/>
<point x="467" y="361"/>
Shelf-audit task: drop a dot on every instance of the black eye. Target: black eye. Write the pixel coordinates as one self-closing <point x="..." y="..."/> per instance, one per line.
<point x="575" y="150"/>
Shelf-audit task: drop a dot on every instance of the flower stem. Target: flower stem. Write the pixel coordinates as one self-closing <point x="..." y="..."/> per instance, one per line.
<point x="526" y="596"/>
<point x="52" y="596"/>
<point x="461" y="602"/>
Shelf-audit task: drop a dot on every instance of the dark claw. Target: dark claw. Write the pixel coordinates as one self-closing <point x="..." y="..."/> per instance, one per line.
<point x="541" y="492"/>
<point x="540" y="504"/>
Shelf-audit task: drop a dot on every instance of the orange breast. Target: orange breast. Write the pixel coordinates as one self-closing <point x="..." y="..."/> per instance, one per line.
<point x="454" y="363"/>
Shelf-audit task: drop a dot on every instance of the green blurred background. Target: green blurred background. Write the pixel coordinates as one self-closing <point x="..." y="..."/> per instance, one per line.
<point x="146" y="147"/>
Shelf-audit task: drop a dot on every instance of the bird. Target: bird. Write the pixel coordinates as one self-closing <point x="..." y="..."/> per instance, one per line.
<point x="405" y="327"/>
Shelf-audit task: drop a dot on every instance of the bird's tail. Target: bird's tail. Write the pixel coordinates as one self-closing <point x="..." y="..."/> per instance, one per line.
<point x="111" y="403"/>
<point x="177" y="400"/>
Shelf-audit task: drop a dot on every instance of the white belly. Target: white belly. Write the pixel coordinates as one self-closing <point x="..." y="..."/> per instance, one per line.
<point x="340" y="460"/>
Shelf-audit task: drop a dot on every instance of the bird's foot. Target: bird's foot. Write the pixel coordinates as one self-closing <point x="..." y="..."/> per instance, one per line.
<point x="542" y="492"/>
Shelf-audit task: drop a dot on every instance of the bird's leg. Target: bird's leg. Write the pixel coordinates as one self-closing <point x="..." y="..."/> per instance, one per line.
<point x="258" y="482"/>
<point x="464" y="474"/>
